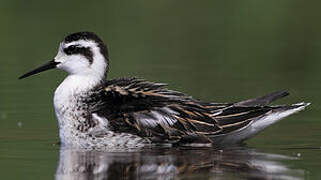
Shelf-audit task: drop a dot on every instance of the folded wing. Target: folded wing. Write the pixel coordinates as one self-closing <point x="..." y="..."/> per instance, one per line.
<point x="150" y="110"/>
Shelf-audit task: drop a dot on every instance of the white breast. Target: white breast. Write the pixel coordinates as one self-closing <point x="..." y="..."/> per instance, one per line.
<point x="66" y="103"/>
<point x="72" y="112"/>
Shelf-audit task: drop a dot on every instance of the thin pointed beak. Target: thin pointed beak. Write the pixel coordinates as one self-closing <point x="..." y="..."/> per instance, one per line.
<point x="50" y="65"/>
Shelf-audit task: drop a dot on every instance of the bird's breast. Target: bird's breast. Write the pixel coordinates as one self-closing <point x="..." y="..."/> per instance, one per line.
<point x="70" y="94"/>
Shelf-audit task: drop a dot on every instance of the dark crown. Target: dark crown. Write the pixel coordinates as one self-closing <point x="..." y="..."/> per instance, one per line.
<point x="88" y="36"/>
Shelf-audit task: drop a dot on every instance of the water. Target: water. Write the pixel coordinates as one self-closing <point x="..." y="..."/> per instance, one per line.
<point x="215" y="51"/>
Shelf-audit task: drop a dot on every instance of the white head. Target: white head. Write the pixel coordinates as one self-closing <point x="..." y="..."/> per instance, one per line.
<point x="82" y="53"/>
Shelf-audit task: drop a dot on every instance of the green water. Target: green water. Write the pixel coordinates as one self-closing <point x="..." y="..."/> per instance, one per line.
<point x="222" y="51"/>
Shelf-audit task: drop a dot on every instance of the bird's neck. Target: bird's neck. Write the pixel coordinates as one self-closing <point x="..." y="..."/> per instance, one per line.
<point x="72" y="91"/>
<point x="70" y="107"/>
<point x="77" y="84"/>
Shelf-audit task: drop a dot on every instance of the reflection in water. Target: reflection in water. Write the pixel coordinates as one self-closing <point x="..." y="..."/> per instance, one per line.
<point x="180" y="163"/>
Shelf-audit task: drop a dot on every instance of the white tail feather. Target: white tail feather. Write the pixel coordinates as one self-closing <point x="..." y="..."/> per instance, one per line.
<point x="258" y="125"/>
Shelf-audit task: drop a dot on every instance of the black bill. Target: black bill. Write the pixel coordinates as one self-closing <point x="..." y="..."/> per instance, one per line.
<point x="50" y="65"/>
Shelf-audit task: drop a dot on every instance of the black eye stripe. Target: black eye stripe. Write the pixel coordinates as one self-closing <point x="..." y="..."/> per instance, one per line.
<point x="73" y="49"/>
<point x="89" y="36"/>
<point x="85" y="51"/>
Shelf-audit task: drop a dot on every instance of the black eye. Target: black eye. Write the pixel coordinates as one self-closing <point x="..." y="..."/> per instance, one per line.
<point x="73" y="49"/>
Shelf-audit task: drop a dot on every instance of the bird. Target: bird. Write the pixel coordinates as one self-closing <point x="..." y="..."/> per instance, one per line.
<point x="94" y="112"/>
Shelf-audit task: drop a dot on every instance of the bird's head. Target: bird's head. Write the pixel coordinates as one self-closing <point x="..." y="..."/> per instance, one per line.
<point x="82" y="53"/>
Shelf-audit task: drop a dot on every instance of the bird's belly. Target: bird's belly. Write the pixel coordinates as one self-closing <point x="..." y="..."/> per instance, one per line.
<point x="109" y="140"/>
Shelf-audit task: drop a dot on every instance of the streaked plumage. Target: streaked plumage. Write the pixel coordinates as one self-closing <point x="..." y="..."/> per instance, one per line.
<point x="131" y="112"/>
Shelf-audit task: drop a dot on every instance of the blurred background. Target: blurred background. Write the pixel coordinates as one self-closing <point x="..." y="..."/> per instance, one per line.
<point x="223" y="51"/>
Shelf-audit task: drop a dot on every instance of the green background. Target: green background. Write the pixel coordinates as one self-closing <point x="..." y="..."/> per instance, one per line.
<point x="223" y="51"/>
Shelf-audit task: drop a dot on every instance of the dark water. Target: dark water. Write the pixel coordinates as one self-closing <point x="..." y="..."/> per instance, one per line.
<point x="222" y="51"/>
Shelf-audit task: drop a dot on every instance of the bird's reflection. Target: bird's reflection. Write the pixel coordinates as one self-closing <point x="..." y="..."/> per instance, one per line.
<point x="179" y="163"/>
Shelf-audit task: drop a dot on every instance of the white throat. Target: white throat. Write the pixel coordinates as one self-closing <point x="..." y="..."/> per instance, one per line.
<point x="66" y="100"/>
<point x="77" y="83"/>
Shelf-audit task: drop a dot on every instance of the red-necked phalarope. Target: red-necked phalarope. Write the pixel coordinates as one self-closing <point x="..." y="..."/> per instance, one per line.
<point x="96" y="113"/>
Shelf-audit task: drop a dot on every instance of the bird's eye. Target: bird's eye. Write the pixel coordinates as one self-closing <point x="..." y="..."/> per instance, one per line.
<point x="71" y="49"/>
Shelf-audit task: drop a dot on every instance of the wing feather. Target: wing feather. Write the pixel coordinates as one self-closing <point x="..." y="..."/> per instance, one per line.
<point x="149" y="109"/>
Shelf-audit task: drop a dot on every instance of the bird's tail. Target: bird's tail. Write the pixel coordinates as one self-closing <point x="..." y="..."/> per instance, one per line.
<point x="263" y="100"/>
<point x="274" y="116"/>
<point x="259" y="123"/>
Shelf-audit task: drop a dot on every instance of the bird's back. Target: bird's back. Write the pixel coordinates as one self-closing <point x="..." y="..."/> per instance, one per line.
<point x="151" y="111"/>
